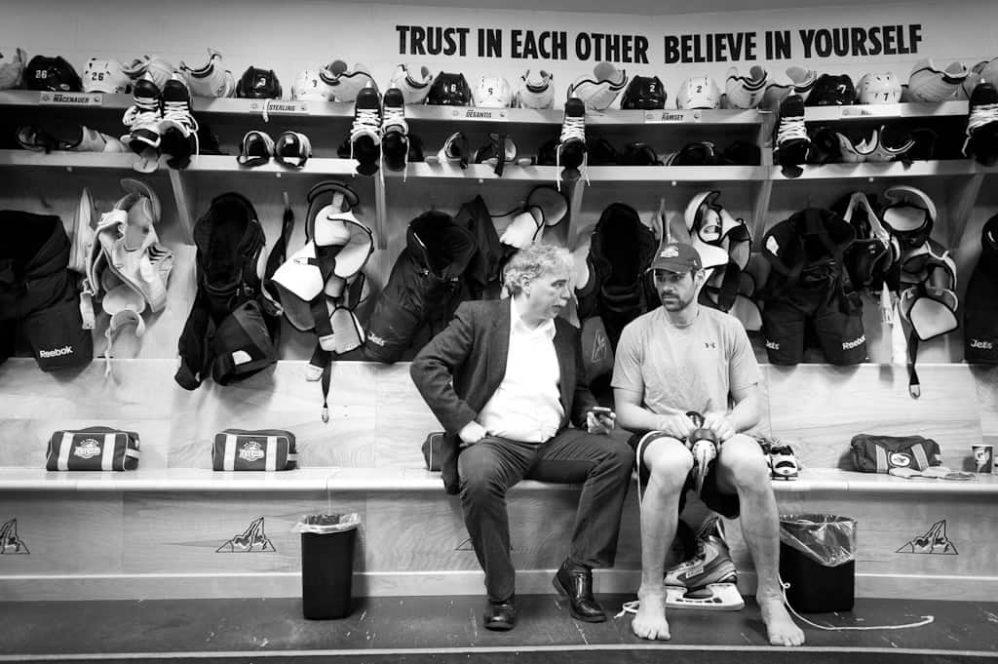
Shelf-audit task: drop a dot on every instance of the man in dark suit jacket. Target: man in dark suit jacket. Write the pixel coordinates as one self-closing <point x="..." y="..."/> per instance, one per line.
<point x="504" y="379"/>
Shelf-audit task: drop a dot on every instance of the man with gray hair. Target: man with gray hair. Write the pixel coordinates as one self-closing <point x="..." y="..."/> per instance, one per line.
<point x="504" y="379"/>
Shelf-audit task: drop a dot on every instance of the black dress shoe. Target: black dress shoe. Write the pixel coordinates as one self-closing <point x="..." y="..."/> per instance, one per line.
<point x="576" y="583"/>
<point x="500" y="616"/>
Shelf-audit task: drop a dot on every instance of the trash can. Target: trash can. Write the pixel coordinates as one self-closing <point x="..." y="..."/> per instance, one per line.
<point x="327" y="546"/>
<point x="817" y="559"/>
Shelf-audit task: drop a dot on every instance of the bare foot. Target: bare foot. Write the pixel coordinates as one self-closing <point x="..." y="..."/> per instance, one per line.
<point x="650" y="622"/>
<point x="782" y="629"/>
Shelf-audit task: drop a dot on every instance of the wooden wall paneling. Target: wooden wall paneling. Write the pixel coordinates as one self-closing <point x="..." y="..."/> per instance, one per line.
<point x="63" y="535"/>
<point x="416" y="531"/>
<point x="36" y="403"/>
<point x="820" y="408"/>
<point x="402" y="419"/>
<point x="986" y="380"/>
<point x="203" y="532"/>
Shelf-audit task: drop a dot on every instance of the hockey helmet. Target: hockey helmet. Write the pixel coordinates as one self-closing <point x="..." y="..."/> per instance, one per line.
<point x="449" y="90"/>
<point x="699" y="92"/>
<point x="106" y="76"/>
<point x="51" y="73"/>
<point x="258" y="83"/>
<point x="644" y="92"/>
<point x="493" y="92"/>
<point x="882" y="88"/>
<point x="832" y="90"/>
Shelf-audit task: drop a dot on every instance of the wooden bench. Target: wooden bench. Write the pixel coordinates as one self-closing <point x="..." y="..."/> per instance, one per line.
<point x="172" y="528"/>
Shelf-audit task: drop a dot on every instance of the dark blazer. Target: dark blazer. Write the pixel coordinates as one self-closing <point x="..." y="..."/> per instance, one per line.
<point x="460" y="369"/>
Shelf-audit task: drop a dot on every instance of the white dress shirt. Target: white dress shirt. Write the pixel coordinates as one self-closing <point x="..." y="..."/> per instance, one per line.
<point x="527" y="404"/>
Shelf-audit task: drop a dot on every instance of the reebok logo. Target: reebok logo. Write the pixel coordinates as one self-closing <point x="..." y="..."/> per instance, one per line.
<point x="56" y="352"/>
<point x="979" y="343"/>
<point x="772" y="345"/>
<point x="847" y="345"/>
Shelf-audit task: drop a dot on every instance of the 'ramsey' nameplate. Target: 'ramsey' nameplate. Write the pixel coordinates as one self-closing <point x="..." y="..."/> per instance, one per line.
<point x="658" y="117"/>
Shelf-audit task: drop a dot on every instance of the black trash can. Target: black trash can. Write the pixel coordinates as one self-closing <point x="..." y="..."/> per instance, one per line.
<point x="817" y="559"/>
<point x="327" y="550"/>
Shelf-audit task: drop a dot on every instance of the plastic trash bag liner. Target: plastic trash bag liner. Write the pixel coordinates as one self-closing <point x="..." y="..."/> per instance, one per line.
<point x="327" y="523"/>
<point x="827" y="539"/>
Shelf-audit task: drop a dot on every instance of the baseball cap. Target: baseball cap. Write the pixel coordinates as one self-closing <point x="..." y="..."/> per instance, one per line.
<point x="677" y="257"/>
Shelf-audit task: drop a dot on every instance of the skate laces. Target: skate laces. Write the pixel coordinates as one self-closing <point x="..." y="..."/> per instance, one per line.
<point x="180" y="113"/>
<point x="848" y="628"/>
<point x="367" y="122"/>
<point x="395" y="117"/>
<point x="573" y="128"/>
<point x="981" y="115"/>
<point x="791" y="128"/>
<point x="145" y="113"/>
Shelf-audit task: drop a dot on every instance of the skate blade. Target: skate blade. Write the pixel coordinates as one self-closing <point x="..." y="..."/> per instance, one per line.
<point x="713" y="597"/>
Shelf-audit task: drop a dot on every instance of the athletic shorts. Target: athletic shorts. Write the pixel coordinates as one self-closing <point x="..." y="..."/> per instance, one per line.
<point x="725" y="504"/>
<point x="817" y="298"/>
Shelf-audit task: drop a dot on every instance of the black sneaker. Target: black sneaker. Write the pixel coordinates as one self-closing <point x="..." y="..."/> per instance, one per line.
<point x="365" y="135"/>
<point x="394" y="131"/>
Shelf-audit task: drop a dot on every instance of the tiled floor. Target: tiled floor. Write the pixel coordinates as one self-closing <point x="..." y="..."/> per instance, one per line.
<point x="438" y="629"/>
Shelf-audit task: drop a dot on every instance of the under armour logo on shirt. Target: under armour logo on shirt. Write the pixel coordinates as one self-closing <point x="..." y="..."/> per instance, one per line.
<point x="710" y="344"/>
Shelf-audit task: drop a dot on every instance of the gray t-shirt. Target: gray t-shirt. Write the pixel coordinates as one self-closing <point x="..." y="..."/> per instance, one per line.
<point x="683" y="369"/>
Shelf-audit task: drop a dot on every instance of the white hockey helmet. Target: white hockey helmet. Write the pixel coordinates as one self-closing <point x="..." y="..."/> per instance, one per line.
<point x="106" y="76"/>
<point x="699" y="92"/>
<point x="493" y="92"/>
<point x="308" y="86"/>
<point x="881" y="88"/>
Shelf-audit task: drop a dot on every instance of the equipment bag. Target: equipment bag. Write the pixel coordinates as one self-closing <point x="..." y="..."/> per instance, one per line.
<point x="93" y="448"/>
<point x="229" y="334"/>
<point x="246" y="449"/>
<point x="879" y="454"/>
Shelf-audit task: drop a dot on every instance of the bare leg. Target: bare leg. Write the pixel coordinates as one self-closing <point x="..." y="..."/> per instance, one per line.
<point x="669" y="463"/>
<point x="742" y="466"/>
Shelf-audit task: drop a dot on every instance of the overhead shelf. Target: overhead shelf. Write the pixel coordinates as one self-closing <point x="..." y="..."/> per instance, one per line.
<point x="677" y="174"/>
<point x="891" y="169"/>
<point x="885" y="111"/>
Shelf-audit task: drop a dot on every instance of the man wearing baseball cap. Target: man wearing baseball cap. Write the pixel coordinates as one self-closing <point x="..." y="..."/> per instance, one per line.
<point x="685" y="358"/>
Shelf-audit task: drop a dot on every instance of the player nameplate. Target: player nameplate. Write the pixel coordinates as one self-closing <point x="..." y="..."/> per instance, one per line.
<point x="482" y="114"/>
<point x="71" y="98"/>
<point x="280" y="107"/>
<point x="660" y="117"/>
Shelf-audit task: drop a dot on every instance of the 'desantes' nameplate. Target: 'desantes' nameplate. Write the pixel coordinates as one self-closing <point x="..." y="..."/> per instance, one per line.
<point x="71" y="98"/>
<point x="482" y="114"/>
